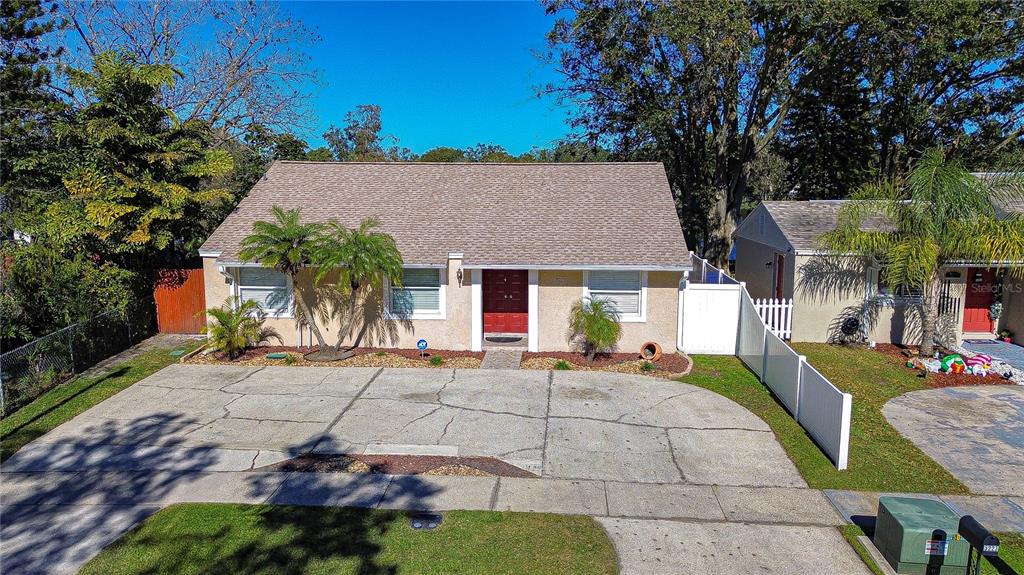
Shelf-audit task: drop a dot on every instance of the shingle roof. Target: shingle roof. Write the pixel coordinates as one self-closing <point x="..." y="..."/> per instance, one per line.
<point x="589" y="214"/>
<point x="804" y="222"/>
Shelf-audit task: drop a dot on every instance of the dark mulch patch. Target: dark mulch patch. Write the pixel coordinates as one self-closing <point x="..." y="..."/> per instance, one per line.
<point x="258" y="352"/>
<point x="670" y="362"/>
<point x="900" y="353"/>
<point x="397" y="464"/>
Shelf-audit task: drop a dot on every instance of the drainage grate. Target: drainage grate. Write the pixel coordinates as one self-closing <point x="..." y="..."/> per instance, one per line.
<point x="425" y="521"/>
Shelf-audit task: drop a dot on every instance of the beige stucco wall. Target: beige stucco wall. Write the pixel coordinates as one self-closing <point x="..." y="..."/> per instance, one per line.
<point x="558" y="289"/>
<point x="1013" y="308"/>
<point x="453" y="332"/>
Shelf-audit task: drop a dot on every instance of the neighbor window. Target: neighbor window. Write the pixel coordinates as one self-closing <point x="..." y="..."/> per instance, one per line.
<point x="623" y="290"/>
<point x="267" y="287"/>
<point x="420" y="293"/>
<point x="903" y="295"/>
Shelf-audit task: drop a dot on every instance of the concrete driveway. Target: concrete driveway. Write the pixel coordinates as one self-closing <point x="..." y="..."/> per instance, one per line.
<point x="683" y="479"/>
<point x="571" y="425"/>
<point x="977" y="433"/>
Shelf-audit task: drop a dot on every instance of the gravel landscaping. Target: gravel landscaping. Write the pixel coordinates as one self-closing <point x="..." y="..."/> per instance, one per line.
<point x="365" y="357"/>
<point x="669" y="366"/>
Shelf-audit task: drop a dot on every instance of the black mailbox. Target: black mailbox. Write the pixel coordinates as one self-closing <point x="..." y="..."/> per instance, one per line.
<point x="978" y="537"/>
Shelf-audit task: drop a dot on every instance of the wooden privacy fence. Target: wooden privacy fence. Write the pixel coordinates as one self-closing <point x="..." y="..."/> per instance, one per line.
<point x="180" y="300"/>
<point x="777" y="314"/>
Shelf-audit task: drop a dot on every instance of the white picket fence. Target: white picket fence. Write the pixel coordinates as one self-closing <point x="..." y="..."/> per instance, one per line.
<point x="740" y="328"/>
<point x="777" y="314"/>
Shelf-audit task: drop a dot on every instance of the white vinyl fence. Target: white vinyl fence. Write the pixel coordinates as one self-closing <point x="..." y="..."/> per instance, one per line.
<point x="777" y="314"/>
<point x="814" y="402"/>
<point x="710" y="313"/>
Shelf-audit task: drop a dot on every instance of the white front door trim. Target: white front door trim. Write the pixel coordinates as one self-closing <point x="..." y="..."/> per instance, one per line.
<point x="533" y="330"/>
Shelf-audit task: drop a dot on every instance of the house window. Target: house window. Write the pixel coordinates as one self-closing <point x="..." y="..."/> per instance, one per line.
<point x="421" y="294"/>
<point x="624" y="290"/>
<point x="902" y="295"/>
<point x="267" y="287"/>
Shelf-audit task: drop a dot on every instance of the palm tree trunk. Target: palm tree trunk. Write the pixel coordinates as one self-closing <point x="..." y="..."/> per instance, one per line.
<point x="930" y="315"/>
<point x="349" y="320"/>
<point x="307" y="314"/>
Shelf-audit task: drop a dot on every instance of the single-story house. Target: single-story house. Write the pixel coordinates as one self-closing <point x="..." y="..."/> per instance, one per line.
<point x="491" y="251"/>
<point x="837" y="298"/>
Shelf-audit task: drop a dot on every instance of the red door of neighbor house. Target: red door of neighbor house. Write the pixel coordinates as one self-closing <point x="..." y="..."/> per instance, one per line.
<point x="180" y="300"/>
<point x="978" y="300"/>
<point x="780" y="274"/>
<point x="505" y="301"/>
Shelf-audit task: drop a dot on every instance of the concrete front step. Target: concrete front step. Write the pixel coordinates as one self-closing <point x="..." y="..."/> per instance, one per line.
<point x="502" y="359"/>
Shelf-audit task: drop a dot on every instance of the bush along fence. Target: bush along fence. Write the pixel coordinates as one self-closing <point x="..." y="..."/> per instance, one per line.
<point x="737" y="328"/>
<point x="40" y="365"/>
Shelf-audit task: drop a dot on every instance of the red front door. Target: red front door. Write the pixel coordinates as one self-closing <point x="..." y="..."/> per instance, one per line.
<point x="977" y="300"/>
<point x="505" y="301"/>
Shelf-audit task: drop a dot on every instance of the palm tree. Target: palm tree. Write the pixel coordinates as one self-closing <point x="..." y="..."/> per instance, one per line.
<point x="595" y="324"/>
<point x="236" y="327"/>
<point x="288" y="246"/>
<point x="938" y="215"/>
<point x="364" y="257"/>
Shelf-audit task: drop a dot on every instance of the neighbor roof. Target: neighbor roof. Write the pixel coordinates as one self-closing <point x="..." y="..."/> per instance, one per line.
<point x="804" y="222"/>
<point x="536" y="215"/>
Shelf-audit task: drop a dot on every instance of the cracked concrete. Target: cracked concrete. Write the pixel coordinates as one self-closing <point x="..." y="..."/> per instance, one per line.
<point x="661" y="459"/>
<point x="564" y="425"/>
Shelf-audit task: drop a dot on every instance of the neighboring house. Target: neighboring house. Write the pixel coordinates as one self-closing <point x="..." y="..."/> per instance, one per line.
<point x="837" y="298"/>
<point x="490" y="250"/>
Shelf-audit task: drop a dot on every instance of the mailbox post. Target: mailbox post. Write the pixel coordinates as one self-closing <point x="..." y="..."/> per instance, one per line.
<point x="980" y="540"/>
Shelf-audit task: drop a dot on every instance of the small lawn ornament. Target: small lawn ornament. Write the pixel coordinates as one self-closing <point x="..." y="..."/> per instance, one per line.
<point x="932" y="365"/>
<point x="979" y="364"/>
<point x="953" y="363"/>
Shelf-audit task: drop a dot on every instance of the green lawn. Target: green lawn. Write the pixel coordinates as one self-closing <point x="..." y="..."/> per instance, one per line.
<point x="225" y="538"/>
<point x="1009" y="562"/>
<point x="880" y="458"/>
<point x="66" y="401"/>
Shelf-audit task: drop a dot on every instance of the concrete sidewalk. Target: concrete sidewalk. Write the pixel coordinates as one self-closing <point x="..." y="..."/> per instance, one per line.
<point x="998" y="513"/>
<point x="56" y="521"/>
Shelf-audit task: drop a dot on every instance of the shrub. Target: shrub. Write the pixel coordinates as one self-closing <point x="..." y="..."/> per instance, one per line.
<point x="594" y="323"/>
<point x="233" y="328"/>
<point x="562" y="365"/>
<point x="436" y="360"/>
<point x="647" y="367"/>
<point x="381" y="353"/>
<point x="289" y="359"/>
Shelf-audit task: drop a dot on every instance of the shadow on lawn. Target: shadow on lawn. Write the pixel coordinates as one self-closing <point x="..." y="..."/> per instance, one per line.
<point x="79" y="495"/>
<point x="11" y="441"/>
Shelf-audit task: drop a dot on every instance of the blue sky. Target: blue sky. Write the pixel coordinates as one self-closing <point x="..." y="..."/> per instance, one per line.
<point x="447" y="73"/>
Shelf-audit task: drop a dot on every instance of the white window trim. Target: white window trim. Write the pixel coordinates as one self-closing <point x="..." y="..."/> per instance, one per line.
<point x="442" y="278"/>
<point x="237" y="293"/>
<point x="625" y="318"/>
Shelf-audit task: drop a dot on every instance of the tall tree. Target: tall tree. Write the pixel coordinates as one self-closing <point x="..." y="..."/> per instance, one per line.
<point x="938" y="70"/>
<point x="703" y="86"/>
<point x="938" y="215"/>
<point x="361" y="140"/>
<point x="136" y="178"/>
<point x="442" y="154"/>
<point x="27" y="111"/>
<point x="240" y="63"/>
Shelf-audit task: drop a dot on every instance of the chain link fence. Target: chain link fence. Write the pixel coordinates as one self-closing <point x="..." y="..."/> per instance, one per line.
<point x="38" y="366"/>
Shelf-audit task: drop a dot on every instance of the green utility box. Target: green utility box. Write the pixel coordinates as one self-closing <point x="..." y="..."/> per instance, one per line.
<point x="919" y="536"/>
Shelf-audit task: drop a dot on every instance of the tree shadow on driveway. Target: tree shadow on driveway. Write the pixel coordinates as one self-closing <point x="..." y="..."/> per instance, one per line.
<point x="65" y="501"/>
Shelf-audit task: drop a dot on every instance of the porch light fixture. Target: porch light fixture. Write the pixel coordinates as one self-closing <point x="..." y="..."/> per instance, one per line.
<point x="458" y="275"/>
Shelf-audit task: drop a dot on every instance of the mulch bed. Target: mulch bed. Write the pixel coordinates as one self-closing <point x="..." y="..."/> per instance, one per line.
<point x="401" y="465"/>
<point x="670" y="364"/>
<point x="902" y="353"/>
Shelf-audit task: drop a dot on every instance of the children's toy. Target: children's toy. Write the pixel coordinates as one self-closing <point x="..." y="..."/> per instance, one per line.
<point x="980" y="360"/>
<point x="932" y="365"/>
<point x="953" y="363"/>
